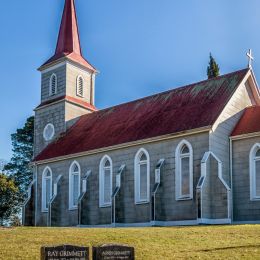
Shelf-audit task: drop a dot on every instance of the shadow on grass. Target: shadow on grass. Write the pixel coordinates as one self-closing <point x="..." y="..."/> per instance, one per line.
<point x="228" y="248"/>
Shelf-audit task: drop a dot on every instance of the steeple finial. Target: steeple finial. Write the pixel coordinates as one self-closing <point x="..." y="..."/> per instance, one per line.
<point x="68" y="44"/>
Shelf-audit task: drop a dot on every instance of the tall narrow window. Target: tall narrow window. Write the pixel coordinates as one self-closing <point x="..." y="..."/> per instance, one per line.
<point x="105" y="182"/>
<point x="255" y="172"/>
<point x="53" y="85"/>
<point x="46" y="188"/>
<point x="184" y="171"/>
<point x="142" y="177"/>
<point x="80" y="86"/>
<point x="74" y="185"/>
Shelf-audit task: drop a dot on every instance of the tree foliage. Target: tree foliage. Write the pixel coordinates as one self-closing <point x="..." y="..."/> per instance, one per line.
<point x="18" y="168"/>
<point x="9" y="194"/>
<point x="213" y="68"/>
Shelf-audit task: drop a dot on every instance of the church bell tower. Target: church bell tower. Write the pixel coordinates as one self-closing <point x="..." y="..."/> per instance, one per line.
<point x="67" y="84"/>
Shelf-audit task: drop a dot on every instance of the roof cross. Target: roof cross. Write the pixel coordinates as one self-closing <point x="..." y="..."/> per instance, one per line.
<point x="250" y="58"/>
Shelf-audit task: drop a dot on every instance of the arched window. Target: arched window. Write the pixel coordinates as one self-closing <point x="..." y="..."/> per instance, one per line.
<point x="142" y="177"/>
<point x="80" y="86"/>
<point x="74" y="185"/>
<point x="105" y="181"/>
<point x="53" y="85"/>
<point x="46" y="188"/>
<point x="184" y="171"/>
<point x="255" y="172"/>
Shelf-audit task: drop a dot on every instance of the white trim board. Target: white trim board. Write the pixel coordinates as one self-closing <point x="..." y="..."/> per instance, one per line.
<point x="125" y="145"/>
<point x="194" y="222"/>
<point x="214" y="221"/>
<point x="253" y="222"/>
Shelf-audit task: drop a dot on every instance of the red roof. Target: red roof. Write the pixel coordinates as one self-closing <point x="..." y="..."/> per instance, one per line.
<point x="177" y="110"/>
<point x="68" y="44"/>
<point x="249" y="122"/>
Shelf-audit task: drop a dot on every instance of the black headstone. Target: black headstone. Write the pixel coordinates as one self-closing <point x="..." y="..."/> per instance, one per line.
<point x="113" y="252"/>
<point x="65" y="252"/>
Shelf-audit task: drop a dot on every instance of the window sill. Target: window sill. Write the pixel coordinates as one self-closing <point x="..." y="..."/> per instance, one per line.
<point x="142" y="202"/>
<point x="105" y="205"/>
<point x="78" y="95"/>
<point x="73" y="208"/>
<point x="255" y="199"/>
<point x="186" y="198"/>
<point x="45" y="211"/>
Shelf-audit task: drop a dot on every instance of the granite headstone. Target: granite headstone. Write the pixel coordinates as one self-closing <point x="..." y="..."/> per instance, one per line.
<point x="65" y="252"/>
<point x="113" y="252"/>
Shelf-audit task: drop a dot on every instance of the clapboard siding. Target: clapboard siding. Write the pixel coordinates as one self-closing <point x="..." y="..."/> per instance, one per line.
<point x="219" y="137"/>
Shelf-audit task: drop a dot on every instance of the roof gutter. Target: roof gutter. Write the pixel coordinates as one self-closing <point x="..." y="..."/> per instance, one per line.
<point x="126" y="145"/>
<point x="245" y="136"/>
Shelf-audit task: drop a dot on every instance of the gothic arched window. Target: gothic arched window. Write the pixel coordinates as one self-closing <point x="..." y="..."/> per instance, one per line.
<point x="184" y="171"/>
<point x="142" y="177"/>
<point x="53" y="85"/>
<point x="46" y="188"/>
<point x="105" y="181"/>
<point x="80" y="86"/>
<point x="255" y="172"/>
<point x="74" y="185"/>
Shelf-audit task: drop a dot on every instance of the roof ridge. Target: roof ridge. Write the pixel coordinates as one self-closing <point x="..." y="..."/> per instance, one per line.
<point x="167" y="91"/>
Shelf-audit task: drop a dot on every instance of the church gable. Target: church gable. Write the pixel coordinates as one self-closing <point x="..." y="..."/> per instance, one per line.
<point x="191" y="107"/>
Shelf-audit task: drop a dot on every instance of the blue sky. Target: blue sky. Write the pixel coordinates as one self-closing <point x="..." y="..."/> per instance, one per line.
<point x="140" y="47"/>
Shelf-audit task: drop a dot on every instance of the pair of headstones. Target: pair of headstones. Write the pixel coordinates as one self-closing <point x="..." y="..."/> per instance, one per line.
<point x="105" y="252"/>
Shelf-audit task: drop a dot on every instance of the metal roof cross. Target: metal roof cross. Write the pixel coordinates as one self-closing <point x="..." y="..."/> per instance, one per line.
<point x="250" y="58"/>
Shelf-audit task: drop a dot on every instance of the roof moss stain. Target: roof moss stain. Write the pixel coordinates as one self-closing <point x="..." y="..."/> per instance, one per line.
<point x="177" y="110"/>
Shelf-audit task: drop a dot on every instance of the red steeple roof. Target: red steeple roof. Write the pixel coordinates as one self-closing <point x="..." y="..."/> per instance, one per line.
<point x="68" y="44"/>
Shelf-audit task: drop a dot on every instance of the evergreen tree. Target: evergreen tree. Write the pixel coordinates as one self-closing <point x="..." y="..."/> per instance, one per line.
<point x="9" y="202"/>
<point x="213" y="68"/>
<point x="18" y="168"/>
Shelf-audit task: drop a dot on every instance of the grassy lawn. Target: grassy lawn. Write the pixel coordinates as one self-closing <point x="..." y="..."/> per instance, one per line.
<point x="201" y="242"/>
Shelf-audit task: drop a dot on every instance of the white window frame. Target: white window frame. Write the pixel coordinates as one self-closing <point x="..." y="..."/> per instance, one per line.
<point x="137" y="163"/>
<point x="50" y="85"/>
<point x="46" y="138"/>
<point x="252" y="170"/>
<point x="102" y="168"/>
<point x="178" y="174"/>
<point x="77" y="86"/>
<point x="44" y="178"/>
<point x="72" y="206"/>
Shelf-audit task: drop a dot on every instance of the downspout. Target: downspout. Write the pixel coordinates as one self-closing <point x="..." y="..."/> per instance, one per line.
<point x="36" y="194"/>
<point x="231" y="176"/>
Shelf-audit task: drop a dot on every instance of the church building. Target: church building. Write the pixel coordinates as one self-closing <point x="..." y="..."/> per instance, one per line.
<point x="187" y="156"/>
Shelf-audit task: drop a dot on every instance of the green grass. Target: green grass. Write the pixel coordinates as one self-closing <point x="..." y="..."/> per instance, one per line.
<point x="200" y="242"/>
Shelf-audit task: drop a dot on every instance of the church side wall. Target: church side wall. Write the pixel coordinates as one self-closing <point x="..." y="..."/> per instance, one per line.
<point x="167" y="210"/>
<point x="219" y="137"/>
<point x="244" y="209"/>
